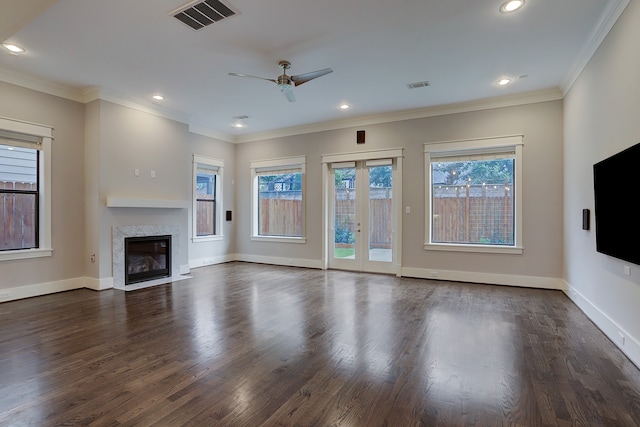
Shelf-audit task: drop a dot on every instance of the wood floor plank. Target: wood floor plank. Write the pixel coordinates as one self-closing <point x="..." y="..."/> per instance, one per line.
<point x="244" y="344"/>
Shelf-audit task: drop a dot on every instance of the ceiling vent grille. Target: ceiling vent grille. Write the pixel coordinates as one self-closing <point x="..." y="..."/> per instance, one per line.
<point x="416" y="85"/>
<point x="200" y="14"/>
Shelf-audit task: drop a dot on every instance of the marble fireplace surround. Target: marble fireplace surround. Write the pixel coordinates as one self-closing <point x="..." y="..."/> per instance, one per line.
<point x="120" y="232"/>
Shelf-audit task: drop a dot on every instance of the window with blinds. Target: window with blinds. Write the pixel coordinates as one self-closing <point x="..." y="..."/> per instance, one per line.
<point x="19" y="190"/>
<point x="472" y="193"/>
<point x="25" y="190"/>
<point x="207" y="198"/>
<point x="19" y="195"/>
<point x="279" y="198"/>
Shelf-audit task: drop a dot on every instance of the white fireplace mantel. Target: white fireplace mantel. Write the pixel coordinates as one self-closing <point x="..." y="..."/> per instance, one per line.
<point x="119" y="202"/>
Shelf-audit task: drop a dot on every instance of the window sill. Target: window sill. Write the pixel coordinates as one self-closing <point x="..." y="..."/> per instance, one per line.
<point x="473" y="248"/>
<point x="279" y="239"/>
<point x="25" y="254"/>
<point x="215" y="238"/>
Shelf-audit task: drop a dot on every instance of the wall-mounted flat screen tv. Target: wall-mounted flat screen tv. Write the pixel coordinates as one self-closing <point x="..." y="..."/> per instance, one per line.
<point x="617" y="218"/>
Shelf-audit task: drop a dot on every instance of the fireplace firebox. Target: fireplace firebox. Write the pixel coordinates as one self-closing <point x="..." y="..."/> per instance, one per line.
<point x="147" y="258"/>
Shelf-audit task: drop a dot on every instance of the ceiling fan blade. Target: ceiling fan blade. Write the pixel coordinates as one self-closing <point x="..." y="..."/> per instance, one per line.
<point x="253" y="77"/>
<point x="303" y="78"/>
<point x="287" y="91"/>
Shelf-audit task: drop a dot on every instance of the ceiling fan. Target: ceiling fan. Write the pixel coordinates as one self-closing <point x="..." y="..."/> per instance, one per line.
<point x="287" y="83"/>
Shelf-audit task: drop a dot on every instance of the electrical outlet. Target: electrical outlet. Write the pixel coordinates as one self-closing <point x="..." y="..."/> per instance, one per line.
<point x="627" y="270"/>
<point x="5" y="295"/>
<point x="435" y="274"/>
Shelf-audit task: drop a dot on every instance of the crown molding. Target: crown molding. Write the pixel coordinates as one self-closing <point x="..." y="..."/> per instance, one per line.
<point x="94" y="93"/>
<point x="609" y="17"/>
<point x="205" y="131"/>
<point x="41" y="85"/>
<point x="420" y="113"/>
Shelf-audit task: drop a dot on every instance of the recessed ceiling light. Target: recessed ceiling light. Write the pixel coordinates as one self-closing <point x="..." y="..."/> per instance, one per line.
<point x="158" y="97"/>
<point x="511" y="6"/>
<point x="238" y="123"/>
<point x="344" y="106"/>
<point x="13" y="48"/>
<point x="503" y="82"/>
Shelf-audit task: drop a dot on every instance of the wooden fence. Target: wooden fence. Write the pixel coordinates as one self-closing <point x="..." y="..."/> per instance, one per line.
<point x="476" y="220"/>
<point x="205" y="216"/>
<point x="280" y="217"/>
<point x="17" y="217"/>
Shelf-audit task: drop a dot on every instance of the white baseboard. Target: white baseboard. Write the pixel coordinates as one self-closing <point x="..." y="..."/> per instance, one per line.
<point x="631" y="346"/>
<point x="487" y="278"/>
<point x="98" y="284"/>
<point x="185" y="269"/>
<point x="201" y="262"/>
<point x="289" y="262"/>
<point x="39" y="289"/>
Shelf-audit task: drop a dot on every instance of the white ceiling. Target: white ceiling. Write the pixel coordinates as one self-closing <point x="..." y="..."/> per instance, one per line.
<point x="132" y="50"/>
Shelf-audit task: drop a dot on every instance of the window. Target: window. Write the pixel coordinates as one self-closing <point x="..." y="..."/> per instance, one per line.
<point x="207" y="204"/>
<point x="19" y="197"/>
<point x="473" y="192"/>
<point x="25" y="205"/>
<point x="278" y="202"/>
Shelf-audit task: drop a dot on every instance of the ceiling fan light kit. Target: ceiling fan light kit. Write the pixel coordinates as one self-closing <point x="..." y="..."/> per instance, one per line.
<point x="285" y="82"/>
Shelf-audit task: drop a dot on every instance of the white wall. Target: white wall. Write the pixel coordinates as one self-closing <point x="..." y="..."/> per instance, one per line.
<point x="540" y="123"/>
<point x="602" y="112"/>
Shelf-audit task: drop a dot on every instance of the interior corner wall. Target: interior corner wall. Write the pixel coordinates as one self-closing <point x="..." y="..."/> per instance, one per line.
<point x="216" y="251"/>
<point x="91" y="191"/>
<point x="601" y="119"/>
<point x="67" y="183"/>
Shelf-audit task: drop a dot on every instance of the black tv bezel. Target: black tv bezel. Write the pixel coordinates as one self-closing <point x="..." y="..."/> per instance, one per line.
<point x="619" y="238"/>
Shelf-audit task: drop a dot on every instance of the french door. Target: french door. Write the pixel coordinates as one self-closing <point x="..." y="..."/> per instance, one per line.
<point x="362" y="216"/>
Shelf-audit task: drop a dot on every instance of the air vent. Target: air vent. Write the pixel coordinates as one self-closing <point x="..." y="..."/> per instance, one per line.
<point x="200" y="14"/>
<point x="417" y="85"/>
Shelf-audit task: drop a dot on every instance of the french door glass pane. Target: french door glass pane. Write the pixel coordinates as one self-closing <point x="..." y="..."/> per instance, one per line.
<point x="345" y="213"/>
<point x="380" y="227"/>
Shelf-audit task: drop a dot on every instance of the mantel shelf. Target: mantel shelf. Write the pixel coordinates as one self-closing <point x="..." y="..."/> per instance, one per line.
<point x="118" y="202"/>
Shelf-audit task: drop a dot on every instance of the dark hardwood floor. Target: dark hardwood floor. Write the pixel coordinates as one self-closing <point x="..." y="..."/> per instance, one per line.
<point x="253" y="345"/>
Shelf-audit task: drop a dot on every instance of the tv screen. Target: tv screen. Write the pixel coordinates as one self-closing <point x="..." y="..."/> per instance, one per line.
<point x="616" y="216"/>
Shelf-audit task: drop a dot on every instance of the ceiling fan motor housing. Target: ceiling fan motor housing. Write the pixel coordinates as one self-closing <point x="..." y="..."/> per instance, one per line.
<point x="285" y="81"/>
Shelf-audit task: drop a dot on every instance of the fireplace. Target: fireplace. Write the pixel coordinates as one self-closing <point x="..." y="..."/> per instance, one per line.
<point x="147" y="258"/>
<point x="122" y="232"/>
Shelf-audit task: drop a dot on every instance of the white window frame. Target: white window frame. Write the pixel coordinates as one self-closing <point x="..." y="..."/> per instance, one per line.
<point x="275" y="165"/>
<point x="44" y="134"/>
<point x="475" y="146"/>
<point x="215" y="166"/>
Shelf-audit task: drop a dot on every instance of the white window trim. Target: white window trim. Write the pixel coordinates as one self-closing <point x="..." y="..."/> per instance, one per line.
<point x="282" y="163"/>
<point x="44" y="219"/>
<point x="219" y="166"/>
<point x="475" y="145"/>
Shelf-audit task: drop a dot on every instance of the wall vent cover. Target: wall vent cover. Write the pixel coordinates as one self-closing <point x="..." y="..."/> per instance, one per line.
<point x="200" y="14"/>
<point x="417" y="85"/>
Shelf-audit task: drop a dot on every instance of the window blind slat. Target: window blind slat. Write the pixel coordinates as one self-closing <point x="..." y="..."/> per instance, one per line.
<point x="379" y="162"/>
<point x="470" y="155"/>
<point x="277" y="171"/>
<point x="208" y="169"/>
